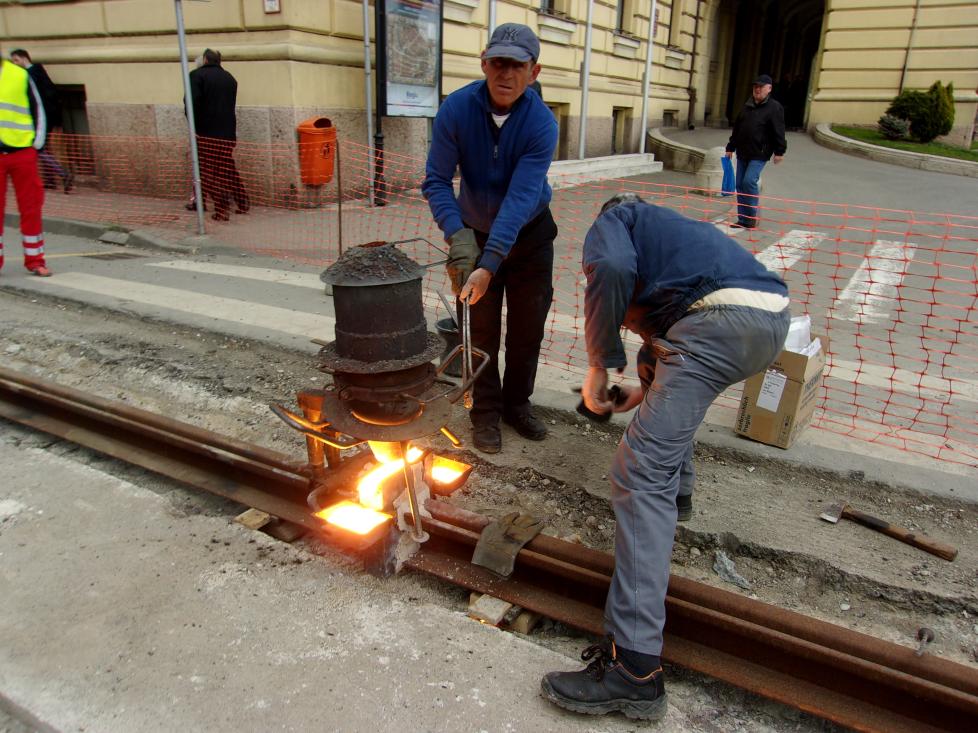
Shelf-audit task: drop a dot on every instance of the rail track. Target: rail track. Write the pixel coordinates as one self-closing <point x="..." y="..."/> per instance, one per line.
<point x="840" y="675"/>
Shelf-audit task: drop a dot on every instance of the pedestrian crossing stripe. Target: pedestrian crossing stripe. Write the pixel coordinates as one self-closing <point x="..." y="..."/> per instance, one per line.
<point x="783" y="254"/>
<point x="263" y="274"/>
<point x="233" y="310"/>
<point x="870" y="291"/>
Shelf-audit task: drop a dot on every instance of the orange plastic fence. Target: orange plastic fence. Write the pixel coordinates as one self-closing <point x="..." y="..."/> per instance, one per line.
<point x="896" y="292"/>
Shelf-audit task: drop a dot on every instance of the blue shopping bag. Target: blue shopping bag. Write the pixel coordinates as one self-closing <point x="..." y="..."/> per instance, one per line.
<point x="729" y="185"/>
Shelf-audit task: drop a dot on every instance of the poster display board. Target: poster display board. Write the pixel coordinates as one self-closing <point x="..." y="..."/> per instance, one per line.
<point x="409" y="44"/>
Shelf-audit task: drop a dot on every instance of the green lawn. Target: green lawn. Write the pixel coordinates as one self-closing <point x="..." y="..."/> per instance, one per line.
<point x="933" y="148"/>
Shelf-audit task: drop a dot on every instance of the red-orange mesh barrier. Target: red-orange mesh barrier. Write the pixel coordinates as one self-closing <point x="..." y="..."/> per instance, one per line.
<point x="896" y="292"/>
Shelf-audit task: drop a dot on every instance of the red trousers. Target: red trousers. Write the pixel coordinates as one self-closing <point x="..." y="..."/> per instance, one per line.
<point x="21" y="168"/>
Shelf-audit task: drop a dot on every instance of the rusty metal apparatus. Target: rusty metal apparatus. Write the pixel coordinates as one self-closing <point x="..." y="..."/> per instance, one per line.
<point x="385" y="392"/>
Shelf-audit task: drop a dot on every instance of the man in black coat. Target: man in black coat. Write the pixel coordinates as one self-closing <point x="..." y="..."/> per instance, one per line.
<point x="214" y="92"/>
<point x="51" y="101"/>
<point x="758" y="133"/>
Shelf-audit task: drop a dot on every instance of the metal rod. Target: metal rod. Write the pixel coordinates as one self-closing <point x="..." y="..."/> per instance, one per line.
<point x="691" y="113"/>
<point x="189" y="101"/>
<point x="368" y="106"/>
<point x="339" y="197"/>
<point x="417" y="531"/>
<point x="448" y="307"/>
<point x="913" y="32"/>
<point x="585" y="81"/>
<point x="451" y="436"/>
<point x="380" y="184"/>
<point x="466" y="353"/>
<point x="647" y="78"/>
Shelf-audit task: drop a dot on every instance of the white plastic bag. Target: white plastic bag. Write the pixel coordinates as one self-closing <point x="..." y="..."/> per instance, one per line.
<point x="799" y="334"/>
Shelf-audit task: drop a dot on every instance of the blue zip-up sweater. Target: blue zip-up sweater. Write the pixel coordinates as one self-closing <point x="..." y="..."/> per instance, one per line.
<point x="646" y="265"/>
<point x="504" y="170"/>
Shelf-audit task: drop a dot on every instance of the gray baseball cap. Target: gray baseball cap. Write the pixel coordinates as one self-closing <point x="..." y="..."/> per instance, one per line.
<point x="513" y="41"/>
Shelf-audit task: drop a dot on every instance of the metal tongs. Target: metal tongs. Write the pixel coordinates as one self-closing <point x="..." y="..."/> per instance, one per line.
<point x="467" y="355"/>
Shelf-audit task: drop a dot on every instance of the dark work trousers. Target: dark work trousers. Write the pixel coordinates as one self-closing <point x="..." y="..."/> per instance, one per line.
<point x="219" y="175"/>
<point x="525" y="279"/>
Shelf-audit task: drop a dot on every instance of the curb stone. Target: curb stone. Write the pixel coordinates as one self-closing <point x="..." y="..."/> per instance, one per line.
<point x="824" y="135"/>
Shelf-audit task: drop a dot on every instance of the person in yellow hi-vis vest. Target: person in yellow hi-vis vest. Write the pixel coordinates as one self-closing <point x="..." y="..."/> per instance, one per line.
<point x="22" y="132"/>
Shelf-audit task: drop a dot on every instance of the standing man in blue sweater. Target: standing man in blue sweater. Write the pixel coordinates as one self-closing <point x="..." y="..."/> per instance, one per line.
<point x="709" y="315"/>
<point x="501" y="233"/>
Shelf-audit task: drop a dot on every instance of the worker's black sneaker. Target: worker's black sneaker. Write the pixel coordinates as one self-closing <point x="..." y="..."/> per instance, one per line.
<point x="526" y="424"/>
<point x="605" y="686"/>
<point x="487" y="438"/>
<point x="684" y="505"/>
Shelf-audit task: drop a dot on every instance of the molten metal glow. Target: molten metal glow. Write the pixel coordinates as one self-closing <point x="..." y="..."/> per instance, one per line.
<point x="352" y="517"/>
<point x="445" y="470"/>
<point x="370" y="489"/>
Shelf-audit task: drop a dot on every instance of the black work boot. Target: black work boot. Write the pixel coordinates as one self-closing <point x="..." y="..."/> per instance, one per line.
<point x="487" y="438"/>
<point x="684" y="505"/>
<point x="605" y="686"/>
<point x="524" y="422"/>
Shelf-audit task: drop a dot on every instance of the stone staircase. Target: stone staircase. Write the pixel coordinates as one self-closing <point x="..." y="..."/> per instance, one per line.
<point x="566" y="173"/>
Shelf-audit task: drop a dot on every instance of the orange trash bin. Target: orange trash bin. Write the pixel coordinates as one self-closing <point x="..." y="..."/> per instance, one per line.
<point x="317" y="150"/>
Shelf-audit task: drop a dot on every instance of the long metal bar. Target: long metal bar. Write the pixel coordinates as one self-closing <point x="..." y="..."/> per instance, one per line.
<point x="585" y="82"/>
<point x="647" y="78"/>
<point x="368" y="100"/>
<point x="838" y="674"/>
<point x="189" y="100"/>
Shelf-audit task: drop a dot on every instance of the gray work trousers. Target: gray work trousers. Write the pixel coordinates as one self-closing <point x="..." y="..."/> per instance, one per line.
<point x="701" y="355"/>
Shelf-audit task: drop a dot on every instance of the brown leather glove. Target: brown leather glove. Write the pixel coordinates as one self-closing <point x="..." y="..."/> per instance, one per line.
<point x="463" y="253"/>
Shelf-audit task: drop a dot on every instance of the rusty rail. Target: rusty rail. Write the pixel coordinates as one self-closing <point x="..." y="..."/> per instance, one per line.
<point x="841" y="675"/>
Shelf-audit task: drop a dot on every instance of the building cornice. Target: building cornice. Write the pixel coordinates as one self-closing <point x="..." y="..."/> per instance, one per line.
<point x="159" y="53"/>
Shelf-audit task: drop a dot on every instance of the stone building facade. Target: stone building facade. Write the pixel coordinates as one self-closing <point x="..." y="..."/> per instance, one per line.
<point x="834" y="60"/>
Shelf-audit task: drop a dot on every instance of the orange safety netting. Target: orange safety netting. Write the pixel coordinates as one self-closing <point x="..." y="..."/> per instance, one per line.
<point x="896" y="292"/>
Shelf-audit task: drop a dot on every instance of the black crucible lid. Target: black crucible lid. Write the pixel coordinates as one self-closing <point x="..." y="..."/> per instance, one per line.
<point x="374" y="263"/>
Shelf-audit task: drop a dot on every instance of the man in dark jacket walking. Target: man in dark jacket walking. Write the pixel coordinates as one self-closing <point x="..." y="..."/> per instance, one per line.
<point x="709" y="315"/>
<point x="758" y="133"/>
<point x="214" y="92"/>
<point x="51" y="100"/>
<point x="500" y="229"/>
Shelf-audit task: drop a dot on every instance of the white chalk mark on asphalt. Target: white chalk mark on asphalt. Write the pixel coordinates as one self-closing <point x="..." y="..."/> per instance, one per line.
<point x="871" y="292"/>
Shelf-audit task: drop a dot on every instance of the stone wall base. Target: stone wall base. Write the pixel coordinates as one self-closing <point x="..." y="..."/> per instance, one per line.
<point x="142" y="149"/>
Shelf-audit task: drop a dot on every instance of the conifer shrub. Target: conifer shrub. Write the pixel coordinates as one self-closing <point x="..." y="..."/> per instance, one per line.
<point x="893" y="128"/>
<point x="929" y="113"/>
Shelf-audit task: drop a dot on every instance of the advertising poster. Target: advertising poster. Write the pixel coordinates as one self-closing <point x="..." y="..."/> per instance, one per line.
<point x="410" y="57"/>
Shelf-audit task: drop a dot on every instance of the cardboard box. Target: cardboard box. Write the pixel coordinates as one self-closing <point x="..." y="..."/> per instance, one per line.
<point x="778" y="404"/>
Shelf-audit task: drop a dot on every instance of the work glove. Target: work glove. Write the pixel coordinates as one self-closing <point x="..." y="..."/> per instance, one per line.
<point x="502" y="540"/>
<point x="462" y="255"/>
